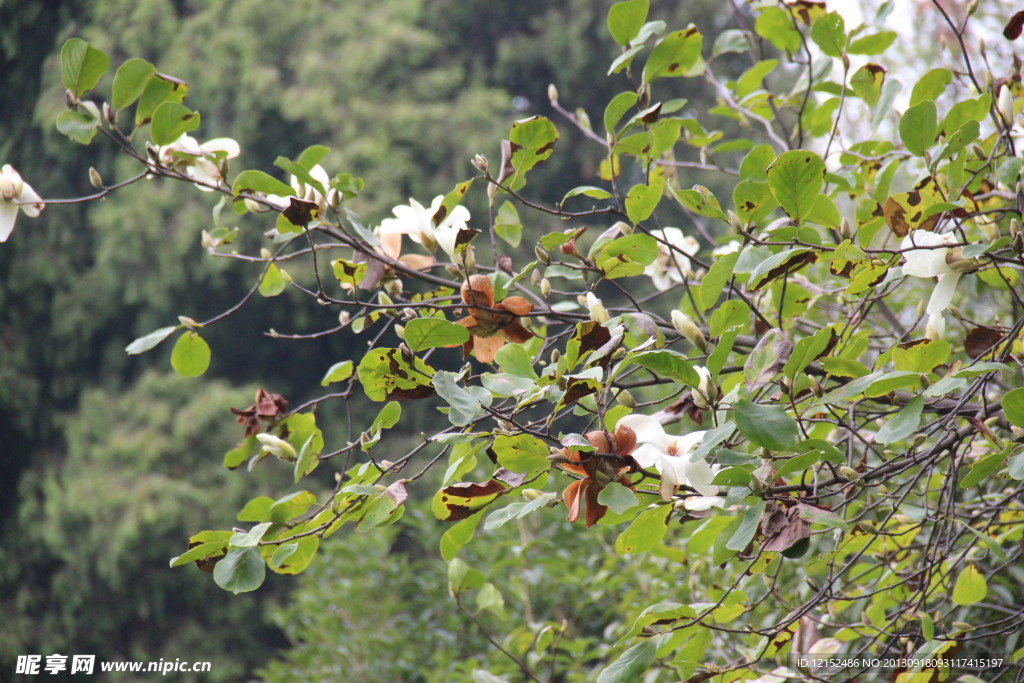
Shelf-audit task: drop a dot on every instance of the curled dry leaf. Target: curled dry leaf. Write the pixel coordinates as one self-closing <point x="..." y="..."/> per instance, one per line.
<point x="491" y="325"/>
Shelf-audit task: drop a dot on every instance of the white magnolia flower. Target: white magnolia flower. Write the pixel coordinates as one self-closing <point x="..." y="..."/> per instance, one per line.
<point x="15" y="194"/>
<point x="727" y="248"/>
<point x="201" y="162"/>
<point x="670" y="455"/>
<point x="417" y="222"/>
<point x="672" y="265"/>
<point x="929" y="263"/>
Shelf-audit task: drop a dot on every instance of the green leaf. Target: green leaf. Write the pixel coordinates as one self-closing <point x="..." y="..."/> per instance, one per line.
<point x="766" y="426"/>
<point x="257" y="181"/>
<point x="982" y="469"/>
<point x="79" y="126"/>
<point x="199" y="552"/>
<point x="428" y="333"/>
<point x="903" y="424"/>
<point x="387" y="417"/>
<point x="776" y="26"/>
<point x="918" y="126"/>
<point x="777" y="265"/>
<point x="645" y="532"/>
<point x="796" y="178"/>
<point x="348" y="274"/>
<point x="170" y="121"/>
<point x="453" y="540"/>
<point x="625" y="20"/>
<point x="744" y="533"/>
<point x="464" y="407"/>
<point x="81" y="66"/>
<point x="617" y="108"/>
<point x="130" y="81"/>
<point x="674" y="55"/>
<point x="891" y="381"/>
<point x="1015" y="466"/>
<point x="700" y="200"/>
<point x="513" y="359"/>
<point x="617" y="497"/>
<point x="521" y="453"/>
<point x="1013" y="406"/>
<point x="294" y="558"/>
<point x="874" y="44"/>
<point x="631" y="664"/>
<point x="753" y="200"/>
<point x="716" y="279"/>
<point x="240" y="571"/>
<point x="143" y="344"/>
<point x="641" y="200"/>
<point x="931" y="85"/>
<point x="807" y="350"/>
<point x="159" y="89"/>
<point x="921" y="356"/>
<point x="274" y="281"/>
<point x="667" y="364"/>
<point x="829" y="32"/>
<point x="507" y="224"/>
<point x="489" y="599"/>
<point x="755" y="165"/>
<point x="256" y="510"/>
<point x="638" y="248"/>
<point x="970" y="586"/>
<point x="191" y="355"/>
<point x="338" y="372"/>
<point x="531" y="141"/>
<point x="797" y="463"/>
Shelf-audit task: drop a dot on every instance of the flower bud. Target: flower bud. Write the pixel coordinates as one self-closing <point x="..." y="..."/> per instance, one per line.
<point x="344" y="317"/>
<point x="845" y="231"/>
<point x="400" y="332"/>
<point x="545" y="288"/>
<point x="542" y="255"/>
<point x="685" y="326"/>
<point x="848" y="473"/>
<point x="552" y="93"/>
<point x="626" y="399"/>
<point x="277" y="447"/>
<point x="95" y="179"/>
<point x="598" y="313"/>
<point x="480" y="163"/>
<point x="1005" y="105"/>
<point x="734" y="221"/>
<point x="393" y="287"/>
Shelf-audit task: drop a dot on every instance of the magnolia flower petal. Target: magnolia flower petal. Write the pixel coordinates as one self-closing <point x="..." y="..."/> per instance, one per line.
<point x="8" y="214"/>
<point x="942" y="295"/>
<point x="227" y="145"/>
<point x="648" y="456"/>
<point x="700" y="475"/>
<point x="29" y="201"/>
<point x="925" y="262"/>
<point x="688" y="442"/>
<point x="674" y="469"/>
<point x="648" y="431"/>
<point x="701" y="503"/>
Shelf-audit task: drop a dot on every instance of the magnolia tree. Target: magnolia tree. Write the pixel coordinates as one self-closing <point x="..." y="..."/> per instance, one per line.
<point x="802" y="400"/>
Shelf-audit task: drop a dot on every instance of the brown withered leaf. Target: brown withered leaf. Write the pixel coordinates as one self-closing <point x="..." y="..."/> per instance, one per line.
<point x="397" y="492"/>
<point x="592" y="336"/>
<point x="791" y="265"/>
<point x="787" y="528"/>
<point x="267" y="407"/>
<point x="981" y="340"/>
<point x="1013" y="27"/>
<point x="983" y="429"/>
<point x="513" y="479"/>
